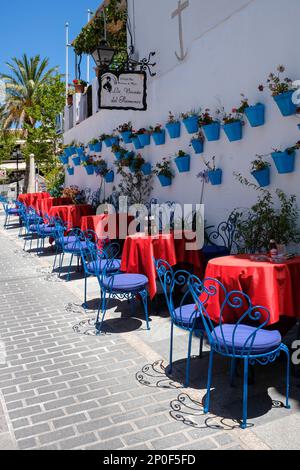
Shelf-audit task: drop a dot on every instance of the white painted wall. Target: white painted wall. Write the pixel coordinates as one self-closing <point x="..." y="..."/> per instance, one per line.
<point x="232" y="46"/>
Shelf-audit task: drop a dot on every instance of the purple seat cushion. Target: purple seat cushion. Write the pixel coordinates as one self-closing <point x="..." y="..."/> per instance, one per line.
<point x="101" y="264"/>
<point x="126" y="282"/>
<point x="265" y="341"/>
<point x="13" y="211"/>
<point x="46" y="230"/>
<point x="76" y="246"/>
<point x="35" y="227"/>
<point x="68" y="240"/>
<point x="184" y="316"/>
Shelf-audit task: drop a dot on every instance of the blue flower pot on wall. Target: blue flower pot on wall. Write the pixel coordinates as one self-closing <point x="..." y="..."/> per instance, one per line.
<point x="108" y="143"/>
<point x="262" y="177"/>
<point x="126" y="136"/>
<point x="137" y="144"/>
<point x="119" y="156"/>
<point x="72" y="151"/>
<point x="84" y="158"/>
<point x="76" y="161"/>
<point x="64" y="159"/>
<point x="256" y="115"/>
<point x="212" y="131"/>
<point x="92" y="147"/>
<point x="285" y="103"/>
<point x="198" y="146"/>
<point x="165" y="180"/>
<point x="70" y="171"/>
<point x="159" y="137"/>
<point x="183" y="164"/>
<point x="215" y="177"/>
<point x="285" y="163"/>
<point x="174" y="129"/>
<point x="234" y="131"/>
<point x="110" y="177"/>
<point x="114" y="140"/>
<point x="144" y="139"/>
<point x="98" y="147"/>
<point x="146" y="169"/>
<point x="192" y="124"/>
<point x="80" y="151"/>
<point x="90" y="169"/>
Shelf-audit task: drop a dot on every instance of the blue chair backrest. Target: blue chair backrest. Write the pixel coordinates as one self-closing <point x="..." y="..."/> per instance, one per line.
<point x="238" y="303"/>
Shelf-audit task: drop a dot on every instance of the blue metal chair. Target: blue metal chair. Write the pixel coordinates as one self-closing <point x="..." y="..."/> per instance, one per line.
<point x="183" y="311"/>
<point x="73" y="244"/>
<point x="116" y="285"/>
<point x="11" y="210"/>
<point x="239" y="341"/>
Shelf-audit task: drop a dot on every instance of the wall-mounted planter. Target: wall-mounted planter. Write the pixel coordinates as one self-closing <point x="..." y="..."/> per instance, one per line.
<point x="72" y="151"/>
<point x="212" y="131"/>
<point x="84" y="158"/>
<point x="70" y="171"/>
<point x="137" y="144"/>
<point x="115" y="140"/>
<point x="108" y="142"/>
<point x="144" y="139"/>
<point x="64" y="159"/>
<point x="119" y="156"/>
<point x="262" y="177"/>
<point x="285" y="163"/>
<point x="159" y="137"/>
<point x="285" y="103"/>
<point x="183" y="164"/>
<point x="90" y="169"/>
<point x="126" y="136"/>
<point x="165" y="180"/>
<point x="146" y="169"/>
<point x="68" y="152"/>
<point x="234" y="131"/>
<point x="110" y="177"/>
<point x="98" y="147"/>
<point x="174" y="129"/>
<point x="92" y="147"/>
<point x="192" y="124"/>
<point x="80" y="151"/>
<point x="256" y="115"/>
<point x="215" y="177"/>
<point x="76" y="161"/>
<point x="198" y="146"/>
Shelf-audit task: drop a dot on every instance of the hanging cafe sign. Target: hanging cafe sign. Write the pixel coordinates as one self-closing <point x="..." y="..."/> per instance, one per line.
<point x="123" y="90"/>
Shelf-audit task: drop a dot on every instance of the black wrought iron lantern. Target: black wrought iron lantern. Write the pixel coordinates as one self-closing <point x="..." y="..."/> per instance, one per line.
<point x="104" y="55"/>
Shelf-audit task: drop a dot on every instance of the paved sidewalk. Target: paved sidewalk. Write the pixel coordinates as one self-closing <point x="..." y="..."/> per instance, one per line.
<point x="64" y="388"/>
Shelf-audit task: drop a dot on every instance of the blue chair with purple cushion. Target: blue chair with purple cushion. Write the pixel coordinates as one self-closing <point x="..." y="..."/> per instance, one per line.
<point x="11" y="210"/>
<point x="116" y="285"/>
<point x="183" y="311"/>
<point x="246" y="340"/>
<point x="74" y="244"/>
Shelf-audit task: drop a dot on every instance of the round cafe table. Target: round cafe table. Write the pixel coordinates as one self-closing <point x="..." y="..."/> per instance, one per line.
<point x="273" y="286"/>
<point x="71" y="214"/>
<point x="105" y="226"/>
<point x="140" y="249"/>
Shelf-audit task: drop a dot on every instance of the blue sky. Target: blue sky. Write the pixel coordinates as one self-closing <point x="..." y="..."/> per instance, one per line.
<point x="38" y="27"/>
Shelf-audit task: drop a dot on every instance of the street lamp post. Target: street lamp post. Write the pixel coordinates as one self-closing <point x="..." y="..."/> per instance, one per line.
<point x="16" y="155"/>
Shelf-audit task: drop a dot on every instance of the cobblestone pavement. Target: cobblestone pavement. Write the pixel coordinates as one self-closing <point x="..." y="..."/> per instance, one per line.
<point x="61" y="387"/>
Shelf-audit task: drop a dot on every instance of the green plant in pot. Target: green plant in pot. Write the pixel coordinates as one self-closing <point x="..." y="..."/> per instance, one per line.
<point x="119" y="151"/>
<point x="282" y="90"/>
<point x="137" y="163"/>
<point x="101" y="167"/>
<point x="183" y="162"/>
<point x="260" y="170"/>
<point x="213" y="173"/>
<point x="164" y="172"/>
<point x="285" y="161"/>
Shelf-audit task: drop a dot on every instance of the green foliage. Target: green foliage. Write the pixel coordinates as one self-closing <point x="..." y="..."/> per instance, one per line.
<point x="7" y="144"/>
<point x="55" y="179"/>
<point x="164" y="168"/>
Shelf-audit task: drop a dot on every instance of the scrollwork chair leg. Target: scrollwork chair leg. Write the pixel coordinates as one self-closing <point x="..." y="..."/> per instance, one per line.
<point x="210" y="369"/>
<point x="245" y="394"/>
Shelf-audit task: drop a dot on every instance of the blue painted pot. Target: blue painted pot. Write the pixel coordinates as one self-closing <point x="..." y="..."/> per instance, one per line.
<point x="108" y="143"/>
<point x="70" y="171"/>
<point x="234" y="131"/>
<point x="144" y="139"/>
<point x="126" y="136"/>
<point x="98" y="147"/>
<point x="137" y="144"/>
<point x="67" y="152"/>
<point x="165" y="180"/>
<point x="262" y="177"/>
<point x="80" y="151"/>
<point x="183" y="164"/>
<point x="119" y="156"/>
<point x="285" y="103"/>
<point x="92" y="147"/>
<point x="256" y="115"/>
<point x="110" y="177"/>
<point x="76" y="161"/>
<point x="174" y="129"/>
<point x="90" y="169"/>
<point x="284" y="162"/>
<point x="212" y="131"/>
<point x="215" y="177"/>
<point x="114" y="140"/>
<point x="146" y="169"/>
<point x="84" y="158"/>
<point x="159" y="137"/>
<point x="64" y="159"/>
<point x="192" y="124"/>
<point x="72" y="151"/>
<point x="198" y="146"/>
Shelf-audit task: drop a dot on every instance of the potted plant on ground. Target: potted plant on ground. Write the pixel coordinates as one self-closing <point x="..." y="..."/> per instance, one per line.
<point x="191" y="121"/>
<point x="158" y="134"/>
<point x="233" y="125"/>
<point x="164" y="172"/>
<point x="125" y="130"/>
<point x="285" y="161"/>
<point x="183" y="162"/>
<point x="255" y="114"/>
<point x="211" y="126"/>
<point x="261" y="171"/>
<point x="173" y="126"/>
<point x="214" y="174"/>
<point x="282" y="90"/>
<point x="197" y="143"/>
<point x="119" y="151"/>
<point x="79" y="85"/>
<point x="89" y="166"/>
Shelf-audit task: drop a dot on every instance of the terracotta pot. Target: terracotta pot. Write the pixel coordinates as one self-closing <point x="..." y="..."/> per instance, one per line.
<point x="79" y="88"/>
<point x="70" y="100"/>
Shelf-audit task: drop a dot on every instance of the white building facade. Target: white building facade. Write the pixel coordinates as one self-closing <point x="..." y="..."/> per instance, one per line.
<point x="221" y="49"/>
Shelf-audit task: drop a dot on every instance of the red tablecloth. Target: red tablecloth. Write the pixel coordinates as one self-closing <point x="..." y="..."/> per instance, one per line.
<point x="107" y="225"/>
<point x="140" y="249"/>
<point x="274" y="286"/>
<point x="72" y="214"/>
<point x="30" y="200"/>
<point x="44" y="205"/>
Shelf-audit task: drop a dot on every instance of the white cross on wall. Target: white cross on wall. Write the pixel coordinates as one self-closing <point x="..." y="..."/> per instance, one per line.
<point x="178" y="12"/>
